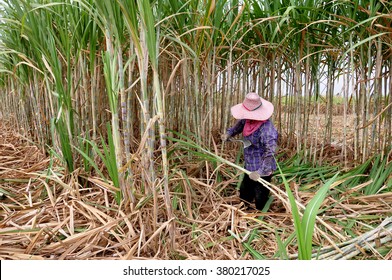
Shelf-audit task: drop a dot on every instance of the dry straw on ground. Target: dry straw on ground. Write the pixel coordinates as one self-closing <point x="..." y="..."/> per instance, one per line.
<point x="47" y="215"/>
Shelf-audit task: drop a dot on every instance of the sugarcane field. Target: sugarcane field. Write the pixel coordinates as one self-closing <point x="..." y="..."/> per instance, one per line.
<point x="195" y="130"/>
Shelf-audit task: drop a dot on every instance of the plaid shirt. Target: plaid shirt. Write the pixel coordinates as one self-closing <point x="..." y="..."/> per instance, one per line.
<point x="259" y="156"/>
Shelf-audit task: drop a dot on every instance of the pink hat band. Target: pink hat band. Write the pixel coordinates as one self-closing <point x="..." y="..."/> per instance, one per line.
<point x="253" y="108"/>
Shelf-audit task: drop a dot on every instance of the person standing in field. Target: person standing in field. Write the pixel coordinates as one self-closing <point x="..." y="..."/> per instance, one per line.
<point x="254" y="122"/>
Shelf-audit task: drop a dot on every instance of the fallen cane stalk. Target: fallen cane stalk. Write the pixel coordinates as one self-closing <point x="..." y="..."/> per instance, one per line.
<point x="348" y="249"/>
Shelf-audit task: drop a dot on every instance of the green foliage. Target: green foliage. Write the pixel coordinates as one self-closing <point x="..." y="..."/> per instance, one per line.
<point x="108" y="157"/>
<point x="282" y="245"/>
<point x="148" y="22"/>
<point x="65" y="142"/>
<point x="379" y="174"/>
<point x="304" y="227"/>
<point x="110" y="71"/>
<point x="86" y="150"/>
<point x="249" y="248"/>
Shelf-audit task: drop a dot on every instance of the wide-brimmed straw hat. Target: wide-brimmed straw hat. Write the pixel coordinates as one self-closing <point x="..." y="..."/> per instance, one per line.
<point x="253" y="108"/>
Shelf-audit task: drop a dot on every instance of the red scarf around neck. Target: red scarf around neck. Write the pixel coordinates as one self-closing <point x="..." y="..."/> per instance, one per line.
<point x="251" y="126"/>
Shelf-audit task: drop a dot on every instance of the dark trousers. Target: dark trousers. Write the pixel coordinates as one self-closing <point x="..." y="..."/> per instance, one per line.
<point x="252" y="190"/>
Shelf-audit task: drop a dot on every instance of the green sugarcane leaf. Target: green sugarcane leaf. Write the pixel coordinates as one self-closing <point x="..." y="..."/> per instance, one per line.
<point x="296" y="217"/>
<point x="91" y="161"/>
<point x="309" y="218"/>
<point x="281" y="247"/>
<point x="256" y="255"/>
<point x="379" y="175"/>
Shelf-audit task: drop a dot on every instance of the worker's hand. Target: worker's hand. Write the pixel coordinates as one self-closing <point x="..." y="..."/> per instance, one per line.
<point x="254" y="175"/>
<point x="225" y="137"/>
